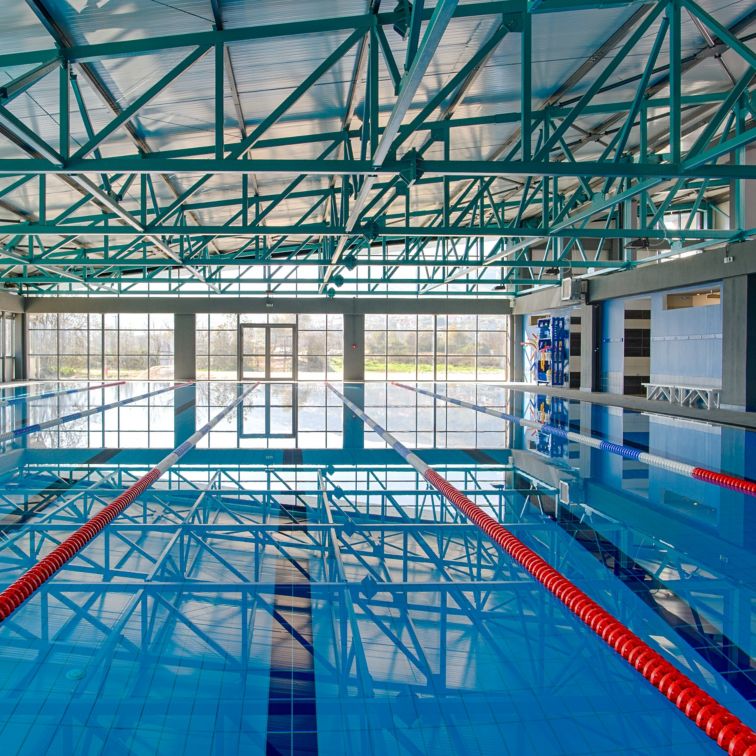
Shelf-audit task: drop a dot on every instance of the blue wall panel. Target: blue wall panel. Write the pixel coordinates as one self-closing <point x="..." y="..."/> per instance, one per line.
<point x="612" y="345"/>
<point x="686" y="343"/>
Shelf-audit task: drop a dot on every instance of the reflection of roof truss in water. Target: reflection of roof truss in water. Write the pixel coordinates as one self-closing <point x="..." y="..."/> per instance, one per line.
<point x="283" y="552"/>
<point x="689" y="597"/>
<point x="261" y="520"/>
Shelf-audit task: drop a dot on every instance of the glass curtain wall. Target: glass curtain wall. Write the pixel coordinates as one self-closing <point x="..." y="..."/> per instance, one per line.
<point x="436" y="347"/>
<point x="133" y="346"/>
<point x="320" y="356"/>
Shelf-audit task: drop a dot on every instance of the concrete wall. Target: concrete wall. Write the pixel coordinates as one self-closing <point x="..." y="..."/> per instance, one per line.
<point x="10" y="302"/>
<point x="190" y="305"/>
<point x="739" y="343"/>
<point x="712" y="346"/>
<point x="686" y="343"/>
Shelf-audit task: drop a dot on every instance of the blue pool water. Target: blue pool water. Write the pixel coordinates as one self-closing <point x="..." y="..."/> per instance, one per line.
<point x="292" y="587"/>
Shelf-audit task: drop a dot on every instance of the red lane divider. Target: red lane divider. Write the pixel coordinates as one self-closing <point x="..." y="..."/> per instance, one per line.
<point x="729" y="732"/>
<point x="734" y="736"/>
<point x="725" y="480"/>
<point x="16" y="593"/>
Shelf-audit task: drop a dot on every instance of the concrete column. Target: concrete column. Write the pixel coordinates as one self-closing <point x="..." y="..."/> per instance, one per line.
<point x="589" y="346"/>
<point x="738" y="304"/>
<point x="739" y="343"/>
<point x="184" y="347"/>
<point x="354" y="347"/>
<point x="185" y="369"/>
<point x="20" y="347"/>
<point x="516" y="357"/>
<point x="354" y="376"/>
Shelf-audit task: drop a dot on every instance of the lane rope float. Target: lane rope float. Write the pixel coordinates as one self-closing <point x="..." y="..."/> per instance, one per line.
<point x="20" y="590"/>
<point x="57" y="392"/>
<point x="724" y="480"/>
<point x="720" y="724"/>
<point x="25" y="430"/>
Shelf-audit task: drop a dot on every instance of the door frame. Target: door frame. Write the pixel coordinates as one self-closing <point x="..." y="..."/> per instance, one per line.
<point x="267" y="380"/>
<point x="268" y="327"/>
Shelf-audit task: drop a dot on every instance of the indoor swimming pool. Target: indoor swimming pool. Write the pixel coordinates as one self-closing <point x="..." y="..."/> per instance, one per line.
<point x="290" y="585"/>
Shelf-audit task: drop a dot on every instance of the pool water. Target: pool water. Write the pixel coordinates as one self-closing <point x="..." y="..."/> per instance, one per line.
<point x="292" y="587"/>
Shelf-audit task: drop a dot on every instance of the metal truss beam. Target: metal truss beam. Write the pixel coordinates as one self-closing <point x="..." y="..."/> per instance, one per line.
<point x="544" y="197"/>
<point x="449" y="168"/>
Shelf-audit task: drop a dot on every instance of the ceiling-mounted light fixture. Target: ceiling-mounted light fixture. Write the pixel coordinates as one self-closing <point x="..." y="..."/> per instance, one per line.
<point x="402" y="16"/>
<point x="643" y="242"/>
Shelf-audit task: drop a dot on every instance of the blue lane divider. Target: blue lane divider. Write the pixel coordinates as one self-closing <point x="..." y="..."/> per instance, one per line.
<point x="57" y="392"/>
<point x="628" y="452"/>
<point x="623" y="451"/>
<point x="25" y="430"/>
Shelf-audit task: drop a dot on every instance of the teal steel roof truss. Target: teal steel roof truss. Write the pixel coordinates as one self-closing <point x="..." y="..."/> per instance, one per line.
<point x="447" y="161"/>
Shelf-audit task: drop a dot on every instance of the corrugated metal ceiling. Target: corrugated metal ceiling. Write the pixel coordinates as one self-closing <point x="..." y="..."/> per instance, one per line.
<point x="267" y="70"/>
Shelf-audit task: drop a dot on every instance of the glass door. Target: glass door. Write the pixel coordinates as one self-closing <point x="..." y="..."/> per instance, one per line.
<point x="268" y="353"/>
<point x="253" y="357"/>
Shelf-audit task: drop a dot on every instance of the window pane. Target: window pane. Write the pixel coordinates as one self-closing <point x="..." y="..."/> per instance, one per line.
<point x="43" y="342"/>
<point x="161" y="321"/>
<point x="43" y="320"/>
<point x="223" y="342"/>
<point x="73" y="367"/>
<point x="312" y="323"/>
<point x="491" y="343"/>
<point x="375" y="322"/>
<point x="161" y="342"/>
<point x="111" y="342"/>
<point x="313" y="342"/>
<point x="95" y="342"/>
<point x="72" y="320"/>
<point x="402" y="342"/>
<point x="74" y="342"/>
<point x="133" y="321"/>
<point x="375" y="342"/>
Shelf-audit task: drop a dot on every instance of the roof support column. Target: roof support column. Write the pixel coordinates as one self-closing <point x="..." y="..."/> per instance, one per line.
<point x="20" y="350"/>
<point x="184" y="349"/>
<point x="739" y="302"/>
<point x="516" y="353"/>
<point x="589" y="345"/>
<point x="354" y="370"/>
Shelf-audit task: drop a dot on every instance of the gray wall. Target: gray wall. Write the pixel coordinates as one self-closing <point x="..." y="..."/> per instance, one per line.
<point x="294" y="305"/>
<point x="708" y="346"/>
